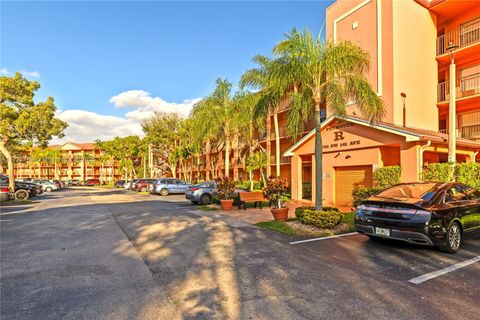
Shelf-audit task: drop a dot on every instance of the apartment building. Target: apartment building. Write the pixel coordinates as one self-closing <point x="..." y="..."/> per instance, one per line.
<point x="413" y="45"/>
<point x="80" y="161"/>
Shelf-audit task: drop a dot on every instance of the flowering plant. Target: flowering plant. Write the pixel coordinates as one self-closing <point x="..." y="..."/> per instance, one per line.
<point x="275" y="190"/>
<point x="225" y="188"/>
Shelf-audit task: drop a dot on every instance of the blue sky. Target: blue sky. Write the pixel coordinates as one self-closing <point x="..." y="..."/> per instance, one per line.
<point x="85" y="52"/>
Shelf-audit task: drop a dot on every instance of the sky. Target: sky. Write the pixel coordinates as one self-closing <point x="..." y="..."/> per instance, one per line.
<point x="111" y="64"/>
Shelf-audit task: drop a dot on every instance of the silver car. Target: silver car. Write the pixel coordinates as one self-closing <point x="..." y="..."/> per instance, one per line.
<point x="47" y="185"/>
<point x="202" y="193"/>
<point x="168" y="186"/>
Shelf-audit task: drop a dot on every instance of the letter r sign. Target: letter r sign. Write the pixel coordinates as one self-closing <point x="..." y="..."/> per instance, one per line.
<point x="338" y="135"/>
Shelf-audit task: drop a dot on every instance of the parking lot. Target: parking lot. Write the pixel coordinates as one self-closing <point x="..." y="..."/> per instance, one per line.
<point x="96" y="253"/>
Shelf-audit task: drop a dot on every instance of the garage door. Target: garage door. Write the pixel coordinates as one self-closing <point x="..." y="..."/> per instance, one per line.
<point x="347" y="178"/>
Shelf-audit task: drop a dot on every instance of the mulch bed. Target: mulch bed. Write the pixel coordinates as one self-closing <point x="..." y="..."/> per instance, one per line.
<point x="312" y="230"/>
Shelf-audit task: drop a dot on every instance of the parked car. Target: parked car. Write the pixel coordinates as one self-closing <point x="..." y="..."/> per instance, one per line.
<point x="23" y="190"/>
<point x="5" y="193"/>
<point x="47" y="185"/>
<point x="168" y="186"/>
<point x="119" y="183"/>
<point x="133" y="183"/>
<point x="92" y="182"/>
<point x="73" y="182"/>
<point x="127" y="184"/>
<point x="143" y="185"/>
<point x="434" y="214"/>
<point x="204" y="193"/>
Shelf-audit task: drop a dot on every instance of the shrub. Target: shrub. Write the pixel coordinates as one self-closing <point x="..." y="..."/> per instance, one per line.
<point x="388" y="176"/>
<point x="307" y="190"/>
<point x="322" y="219"/>
<point x="438" y="172"/>
<point x="225" y="188"/>
<point x="257" y="185"/>
<point x="468" y="173"/>
<point x="361" y="193"/>
<point x="300" y="211"/>
<point x="275" y="190"/>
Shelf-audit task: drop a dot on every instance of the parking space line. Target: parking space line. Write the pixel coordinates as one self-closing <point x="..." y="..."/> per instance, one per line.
<point x="325" y="238"/>
<point x="443" y="271"/>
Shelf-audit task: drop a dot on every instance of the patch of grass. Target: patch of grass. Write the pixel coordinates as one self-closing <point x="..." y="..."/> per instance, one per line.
<point x="277" y="226"/>
<point x="145" y="192"/>
<point x="206" y="208"/>
<point x="348" y="219"/>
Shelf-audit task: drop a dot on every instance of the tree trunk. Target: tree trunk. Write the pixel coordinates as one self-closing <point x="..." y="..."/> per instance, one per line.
<point x="277" y="144"/>
<point x="8" y="155"/>
<point x="250" y="177"/>
<point x="318" y="159"/>
<point x="227" y="157"/>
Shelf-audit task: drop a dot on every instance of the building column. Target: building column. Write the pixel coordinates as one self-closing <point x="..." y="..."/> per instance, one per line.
<point x="410" y="161"/>
<point x="314" y="187"/>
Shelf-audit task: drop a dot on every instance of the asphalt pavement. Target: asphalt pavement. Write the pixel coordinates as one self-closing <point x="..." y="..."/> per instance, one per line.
<point x="92" y="253"/>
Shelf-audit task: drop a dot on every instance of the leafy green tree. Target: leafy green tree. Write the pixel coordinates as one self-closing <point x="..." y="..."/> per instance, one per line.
<point x="162" y="132"/>
<point x="21" y="119"/>
<point x="323" y="73"/>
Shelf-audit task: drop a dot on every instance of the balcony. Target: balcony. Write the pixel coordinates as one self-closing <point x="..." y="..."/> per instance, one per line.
<point x="465" y="36"/>
<point x="466" y="87"/>
<point x="283" y="160"/>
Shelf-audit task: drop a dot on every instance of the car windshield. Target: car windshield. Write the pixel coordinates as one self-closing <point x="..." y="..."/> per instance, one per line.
<point x="424" y="191"/>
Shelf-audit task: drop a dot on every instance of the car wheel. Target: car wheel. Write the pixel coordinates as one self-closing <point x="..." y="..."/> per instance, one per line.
<point x="48" y="189"/>
<point x="143" y="189"/>
<point x="164" y="192"/>
<point x="21" y="195"/>
<point x="205" y="199"/>
<point x="454" y="238"/>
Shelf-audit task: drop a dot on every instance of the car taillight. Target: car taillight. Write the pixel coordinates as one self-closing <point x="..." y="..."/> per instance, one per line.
<point x="195" y="189"/>
<point x="4" y="189"/>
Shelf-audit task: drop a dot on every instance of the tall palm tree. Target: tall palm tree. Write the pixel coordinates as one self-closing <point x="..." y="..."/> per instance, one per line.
<point x="323" y="73"/>
<point x="220" y="116"/>
<point x="271" y="91"/>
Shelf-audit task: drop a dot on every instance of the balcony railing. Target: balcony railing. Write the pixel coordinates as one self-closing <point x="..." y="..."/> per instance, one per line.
<point x="471" y="132"/>
<point x="466" y="86"/>
<point x="463" y="37"/>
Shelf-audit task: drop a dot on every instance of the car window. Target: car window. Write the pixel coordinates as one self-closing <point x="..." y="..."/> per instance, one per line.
<point x="424" y="191"/>
<point x="474" y="194"/>
<point x="455" y="194"/>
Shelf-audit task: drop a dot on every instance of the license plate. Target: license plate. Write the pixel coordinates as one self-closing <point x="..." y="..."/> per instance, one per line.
<point x="382" y="232"/>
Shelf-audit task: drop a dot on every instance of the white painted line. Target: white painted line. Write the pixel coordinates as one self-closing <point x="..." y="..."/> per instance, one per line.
<point x="325" y="238"/>
<point x="443" y="271"/>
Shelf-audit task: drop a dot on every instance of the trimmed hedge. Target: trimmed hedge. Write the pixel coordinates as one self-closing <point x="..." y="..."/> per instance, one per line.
<point x="362" y="193"/>
<point x="468" y="173"/>
<point x="388" y="176"/>
<point x="327" y="218"/>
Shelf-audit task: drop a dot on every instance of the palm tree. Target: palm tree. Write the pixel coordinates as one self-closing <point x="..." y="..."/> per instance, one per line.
<point x="323" y="73"/>
<point x="256" y="161"/>
<point x="220" y="116"/>
<point x="271" y="91"/>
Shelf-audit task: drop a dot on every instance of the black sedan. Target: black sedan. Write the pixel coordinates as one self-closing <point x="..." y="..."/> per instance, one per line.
<point x="435" y="214"/>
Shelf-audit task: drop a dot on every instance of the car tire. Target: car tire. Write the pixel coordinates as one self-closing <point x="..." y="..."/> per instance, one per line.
<point x="205" y="199"/>
<point x="48" y="189"/>
<point x="454" y="238"/>
<point x="164" y="192"/>
<point x="21" y="194"/>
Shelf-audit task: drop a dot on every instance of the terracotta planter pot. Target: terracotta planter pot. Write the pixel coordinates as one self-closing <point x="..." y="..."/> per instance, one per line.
<point x="226" y="204"/>
<point x="280" y="214"/>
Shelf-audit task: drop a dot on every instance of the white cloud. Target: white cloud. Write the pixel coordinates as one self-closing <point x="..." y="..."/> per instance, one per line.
<point x="146" y="105"/>
<point x="87" y="126"/>
<point x="29" y="74"/>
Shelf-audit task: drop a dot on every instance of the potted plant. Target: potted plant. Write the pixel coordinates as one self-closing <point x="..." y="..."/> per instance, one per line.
<point x="225" y="189"/>
<point x="274" y="190"/>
